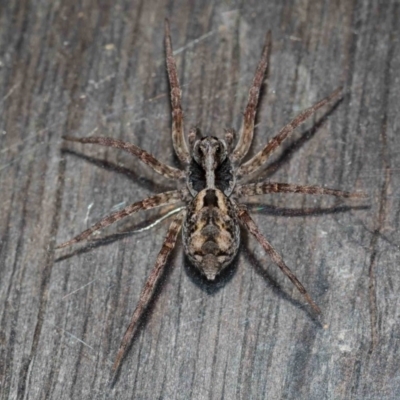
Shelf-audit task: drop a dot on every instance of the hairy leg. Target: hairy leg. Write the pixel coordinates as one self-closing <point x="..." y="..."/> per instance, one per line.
<point x="144" y="156"/>
<point x="261" y="157"/>
<point x="148" y="290"/>
<point x="248" y="222"/>
<point x="146" y="204"/>
<point x="230" y="136"/>
<point x="178" y="138"/>
<point x="254" y="189"/>
<point x="247" y="129"/>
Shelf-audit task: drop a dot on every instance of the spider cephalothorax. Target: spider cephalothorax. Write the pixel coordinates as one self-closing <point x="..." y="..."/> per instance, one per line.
<point x="213" y="209"/>
<point x="210" y="166"/>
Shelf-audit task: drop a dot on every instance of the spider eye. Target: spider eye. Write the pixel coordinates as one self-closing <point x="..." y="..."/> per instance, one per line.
<point x="220" y="152"/>
<point x="198" y="153"/>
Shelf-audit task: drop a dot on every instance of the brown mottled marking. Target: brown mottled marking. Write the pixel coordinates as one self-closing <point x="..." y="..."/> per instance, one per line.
<point x="211" y="232"/>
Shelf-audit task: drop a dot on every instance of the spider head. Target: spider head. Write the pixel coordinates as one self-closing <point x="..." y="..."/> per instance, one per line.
<point x="209" y="152"/>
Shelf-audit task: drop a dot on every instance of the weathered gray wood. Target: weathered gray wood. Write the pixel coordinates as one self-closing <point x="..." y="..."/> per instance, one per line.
<point x="98" y="66"/>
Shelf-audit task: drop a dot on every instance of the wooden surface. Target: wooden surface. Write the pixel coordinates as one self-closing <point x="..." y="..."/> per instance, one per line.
<point x="97" y="67"/>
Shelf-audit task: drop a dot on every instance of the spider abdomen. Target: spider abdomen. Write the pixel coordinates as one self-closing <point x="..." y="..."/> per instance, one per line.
<point x="211" y="233"/>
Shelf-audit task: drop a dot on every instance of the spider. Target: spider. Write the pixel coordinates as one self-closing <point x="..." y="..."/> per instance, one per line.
<point x="212" y="192"/>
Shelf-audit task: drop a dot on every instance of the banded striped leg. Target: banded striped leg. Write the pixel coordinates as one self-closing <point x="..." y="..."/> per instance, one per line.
<point x="261" y="157"/>
<point x="148" y="290"/>
<point x="146" y="204"/>
<point x="144" y="156"/>
<point x="254" y="189"/>
<point x="247" y="129"/>
<point x="244" y="216"/>
<point x="178" y="138"/>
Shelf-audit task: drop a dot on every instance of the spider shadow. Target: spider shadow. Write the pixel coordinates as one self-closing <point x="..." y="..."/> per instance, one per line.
<point x="277" y="289"/>
<point x="291" y="212"/>
<point x="82" y="250"/>
<point x="110" y="166"/>
<point x="147" y="312"/>
<point x="288" y="151"/>
<point x="126" y="232"/>
<point x="94" y="244"/>
<point x="210" y="287"/>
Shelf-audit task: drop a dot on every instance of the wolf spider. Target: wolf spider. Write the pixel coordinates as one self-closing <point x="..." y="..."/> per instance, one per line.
<point x="212" y="171"/>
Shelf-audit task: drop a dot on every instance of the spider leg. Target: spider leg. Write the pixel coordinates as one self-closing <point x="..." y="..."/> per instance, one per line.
<point x="178" y="138"/>
<point x="254" y="189"/>
<point x="139" y="230"/>
<point x="144" y="156"/>
<point x="194" y="134"/>
<point x="261" y="157"/>
<point x="248" y="222"/>
<point x="148" y="290"/>
<point x="146" y="204"/>
<point x="247" y="129"/>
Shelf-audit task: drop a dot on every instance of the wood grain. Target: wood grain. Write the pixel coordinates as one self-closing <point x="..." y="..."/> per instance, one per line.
<point x="97" y="67"/>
